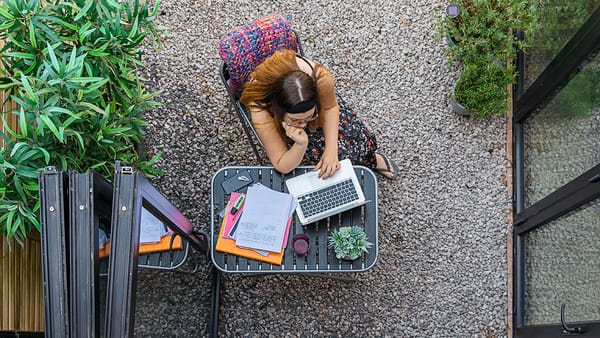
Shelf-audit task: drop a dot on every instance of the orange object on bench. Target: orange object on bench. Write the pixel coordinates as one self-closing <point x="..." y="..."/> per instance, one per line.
<point x="163" y="245"/>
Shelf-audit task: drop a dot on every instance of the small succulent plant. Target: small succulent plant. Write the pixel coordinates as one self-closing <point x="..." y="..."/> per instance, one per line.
<point x="349" y="242"/>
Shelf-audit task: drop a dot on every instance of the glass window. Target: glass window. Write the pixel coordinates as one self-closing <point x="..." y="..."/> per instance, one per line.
<point x="562" y="266"/>
<point x="558" y="21"/>
<point x="561" y="140"/>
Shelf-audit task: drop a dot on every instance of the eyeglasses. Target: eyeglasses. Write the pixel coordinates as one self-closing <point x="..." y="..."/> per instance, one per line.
<point x="298" y="122"/>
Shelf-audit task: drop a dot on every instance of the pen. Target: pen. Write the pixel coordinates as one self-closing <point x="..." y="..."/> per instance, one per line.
<point x="232" y="231"/>
<point x="238" y="204"/>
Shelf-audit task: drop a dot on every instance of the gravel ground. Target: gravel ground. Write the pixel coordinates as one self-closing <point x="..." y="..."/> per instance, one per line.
<point x="442" y="268"/>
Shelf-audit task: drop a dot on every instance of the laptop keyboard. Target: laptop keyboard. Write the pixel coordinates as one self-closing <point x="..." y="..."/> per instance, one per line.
<point x="328" y="198"/>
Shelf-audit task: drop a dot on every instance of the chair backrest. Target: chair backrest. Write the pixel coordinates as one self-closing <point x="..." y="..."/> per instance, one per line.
<point x="241" y="111"/>
<point x="244" y="48"/>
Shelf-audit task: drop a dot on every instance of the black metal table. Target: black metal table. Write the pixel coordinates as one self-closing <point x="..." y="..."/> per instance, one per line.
<point x="320" y="258"/>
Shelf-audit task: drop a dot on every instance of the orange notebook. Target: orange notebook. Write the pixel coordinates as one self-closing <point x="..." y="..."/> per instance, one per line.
<point x="228" y="245"/>
<point x="163" y="245"/>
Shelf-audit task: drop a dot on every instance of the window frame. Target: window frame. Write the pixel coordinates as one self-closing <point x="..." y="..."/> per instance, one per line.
<point x="132" y="191"/>
<point x="90" y="197"/>
<point x="583" y="46"/>
<point x="55" y="276"/>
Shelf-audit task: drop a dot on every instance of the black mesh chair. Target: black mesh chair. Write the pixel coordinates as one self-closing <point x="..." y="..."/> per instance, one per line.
<point x="242" y="111"/>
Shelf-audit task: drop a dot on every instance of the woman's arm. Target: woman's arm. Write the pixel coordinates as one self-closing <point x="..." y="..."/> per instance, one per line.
<point x="329" y="162"/>
<point x="283" y="159"/>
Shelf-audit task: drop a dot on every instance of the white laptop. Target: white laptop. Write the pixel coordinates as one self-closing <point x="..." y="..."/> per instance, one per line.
<point x="320" y="198"/>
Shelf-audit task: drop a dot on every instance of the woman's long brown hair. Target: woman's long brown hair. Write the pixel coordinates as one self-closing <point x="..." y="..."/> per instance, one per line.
<point x="269" y="87"/>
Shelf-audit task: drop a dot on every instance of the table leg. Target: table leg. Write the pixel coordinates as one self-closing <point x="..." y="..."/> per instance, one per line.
<point x="215" y="296"/>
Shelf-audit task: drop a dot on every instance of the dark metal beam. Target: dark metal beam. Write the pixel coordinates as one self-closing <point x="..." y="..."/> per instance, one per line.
<point x="122" y="266"/>
<point x="591" y="329"/>
<point x="155" y="202"/>
<point x="55" y="276"/>
<point x="567" y="198"/>
<point x="90" y="194"/>
<point x="132" y="191"/>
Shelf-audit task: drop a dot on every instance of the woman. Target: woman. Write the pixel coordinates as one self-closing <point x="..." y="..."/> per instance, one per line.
<point x="290" y="96"/>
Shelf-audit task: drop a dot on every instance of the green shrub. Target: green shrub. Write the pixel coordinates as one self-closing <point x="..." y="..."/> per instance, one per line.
<point x="482" y="88"/>
<point x="72" y="67"/>
<point x="482" y="35"/>
<point x="483" y="28"/>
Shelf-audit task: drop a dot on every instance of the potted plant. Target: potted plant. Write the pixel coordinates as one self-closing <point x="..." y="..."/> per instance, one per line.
<point x="349" y="242"/>
<point x="481" y="89"/>
<point x="481" y="41"/>
<point x="72" y="68"/>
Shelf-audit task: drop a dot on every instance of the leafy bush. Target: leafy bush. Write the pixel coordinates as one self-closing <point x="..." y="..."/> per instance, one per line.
<point x="349" y="242"/>
<point x="72" y="69"/>
<point x="483" y="29"/>
<point x="481" y="37"/>
<point x="481" y="88"/>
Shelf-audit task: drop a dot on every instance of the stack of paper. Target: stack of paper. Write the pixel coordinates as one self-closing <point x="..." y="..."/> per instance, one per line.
<point x="263" y="223"/>
<point x="151" y="228"/>
<point x="262" y="229"/>
<point x="155" y="236"/>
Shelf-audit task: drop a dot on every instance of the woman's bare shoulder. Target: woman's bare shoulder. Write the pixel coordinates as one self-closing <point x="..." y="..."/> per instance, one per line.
<point x="321" y="73"/>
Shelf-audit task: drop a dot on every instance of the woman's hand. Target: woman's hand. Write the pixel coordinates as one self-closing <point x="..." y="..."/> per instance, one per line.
<point x="298" y="135"/>
<point x="328" y="164"/>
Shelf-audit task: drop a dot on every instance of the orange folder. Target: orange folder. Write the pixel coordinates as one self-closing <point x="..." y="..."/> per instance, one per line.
<point x="163" y="245"/>
<point x="227" y="245"/>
